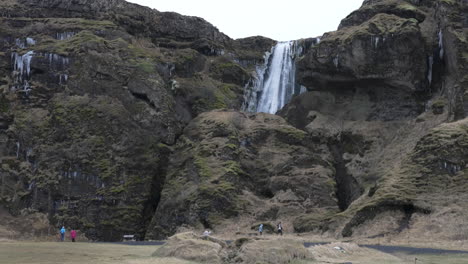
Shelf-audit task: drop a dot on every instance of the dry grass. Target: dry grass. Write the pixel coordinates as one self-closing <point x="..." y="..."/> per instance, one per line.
<point x="351" y="253"/>
<point x="281" y="251"/>
<point x="190" y="247"/>
<point x="270" y="251"/>
<point x="73" y="253"/>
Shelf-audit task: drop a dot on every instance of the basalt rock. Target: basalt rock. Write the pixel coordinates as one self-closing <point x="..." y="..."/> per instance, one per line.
<point x="94" y="95"/>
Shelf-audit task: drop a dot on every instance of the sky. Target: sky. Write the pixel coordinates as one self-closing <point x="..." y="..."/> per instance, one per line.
<point x="280" y="20"/>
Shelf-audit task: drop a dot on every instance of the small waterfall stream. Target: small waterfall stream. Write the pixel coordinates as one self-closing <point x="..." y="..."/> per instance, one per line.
<point x="275" y="84"/>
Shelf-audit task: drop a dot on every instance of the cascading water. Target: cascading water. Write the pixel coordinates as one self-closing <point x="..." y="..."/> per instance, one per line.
<point x="276" y="80"/>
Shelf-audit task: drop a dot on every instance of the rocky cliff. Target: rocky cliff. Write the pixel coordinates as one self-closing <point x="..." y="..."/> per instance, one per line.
<point x="386" y="89"/>
<point x="94" y="96"/>
<point x="119" y="119"/>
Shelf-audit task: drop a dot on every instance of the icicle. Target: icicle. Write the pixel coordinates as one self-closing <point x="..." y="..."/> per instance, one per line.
<point x="441" y="44"/>
<point x="65" y="35"/>
<point x="29" y="153"/>
<point x="22" y="70"/>
<point x="30" y="41"/>
<point x="17" y="149"/>
<point x="20" y="43"/>
<point x="336" y="61"/>
<point x="375" y="41"/>
<point x="303" y="89"/>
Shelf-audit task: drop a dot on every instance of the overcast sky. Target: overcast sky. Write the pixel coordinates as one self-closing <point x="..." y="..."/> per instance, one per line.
<point x="277" y="19"/>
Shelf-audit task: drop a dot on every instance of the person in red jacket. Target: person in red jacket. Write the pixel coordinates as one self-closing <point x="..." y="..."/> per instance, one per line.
<point x="73" y="235"/>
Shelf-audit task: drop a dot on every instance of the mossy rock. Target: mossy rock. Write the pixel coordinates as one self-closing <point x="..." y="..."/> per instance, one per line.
<point x="229" y="72"/>
<point x="438" y="106"/>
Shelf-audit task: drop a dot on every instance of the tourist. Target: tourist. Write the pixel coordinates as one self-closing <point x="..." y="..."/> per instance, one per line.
<point x="73" y="235"/>
<point x="62" y="233"/>
<point x="280" y="228"/>
<point x="260" y="229"/>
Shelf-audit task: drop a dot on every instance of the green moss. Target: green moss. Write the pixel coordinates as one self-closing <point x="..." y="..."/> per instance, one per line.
<point x="440" y="103"/>
<point x="381" y="24"/>
<point x="407" y="6"/>
<point x="460" y="35"/>
<point x="224" y="95"/>
<point x="231" y="146"/>
<point x="80" y="43"/>
<point x="146" y="67"/>
<point x="203" y="169"/>
<point x="233" y="168"/>
<point x="291" y="134"/>
<point x="117" y="189"/>
<point x="143" y="53"/>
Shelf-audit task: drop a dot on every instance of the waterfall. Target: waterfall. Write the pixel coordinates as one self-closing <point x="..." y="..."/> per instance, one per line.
<point x="276" y="81"/>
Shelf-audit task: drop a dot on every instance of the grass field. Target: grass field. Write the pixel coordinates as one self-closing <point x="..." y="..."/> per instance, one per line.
<point x="19" y="252"/>
<point x="73" y="253"/>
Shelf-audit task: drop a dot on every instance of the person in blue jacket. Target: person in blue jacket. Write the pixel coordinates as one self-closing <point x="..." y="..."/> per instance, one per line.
<point x="62" y="233"/>
<point x="260" y="229"/>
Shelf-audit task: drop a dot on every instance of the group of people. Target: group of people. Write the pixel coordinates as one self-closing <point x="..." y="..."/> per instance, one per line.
<point x="279" y="229"/>
<point x="63" y="231"/>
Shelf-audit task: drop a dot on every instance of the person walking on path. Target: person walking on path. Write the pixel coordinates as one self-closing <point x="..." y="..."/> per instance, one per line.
<point x="260" y="229"/>
<point x="280" y="228"/>
<point x="73" y="235"/>
<point x="62" y="233"/>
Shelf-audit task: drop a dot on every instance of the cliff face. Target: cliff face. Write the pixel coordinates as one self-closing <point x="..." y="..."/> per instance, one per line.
<point x="94" y="94"/>
<point x="381" y="88"/>
<point x="108" y="122"/>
